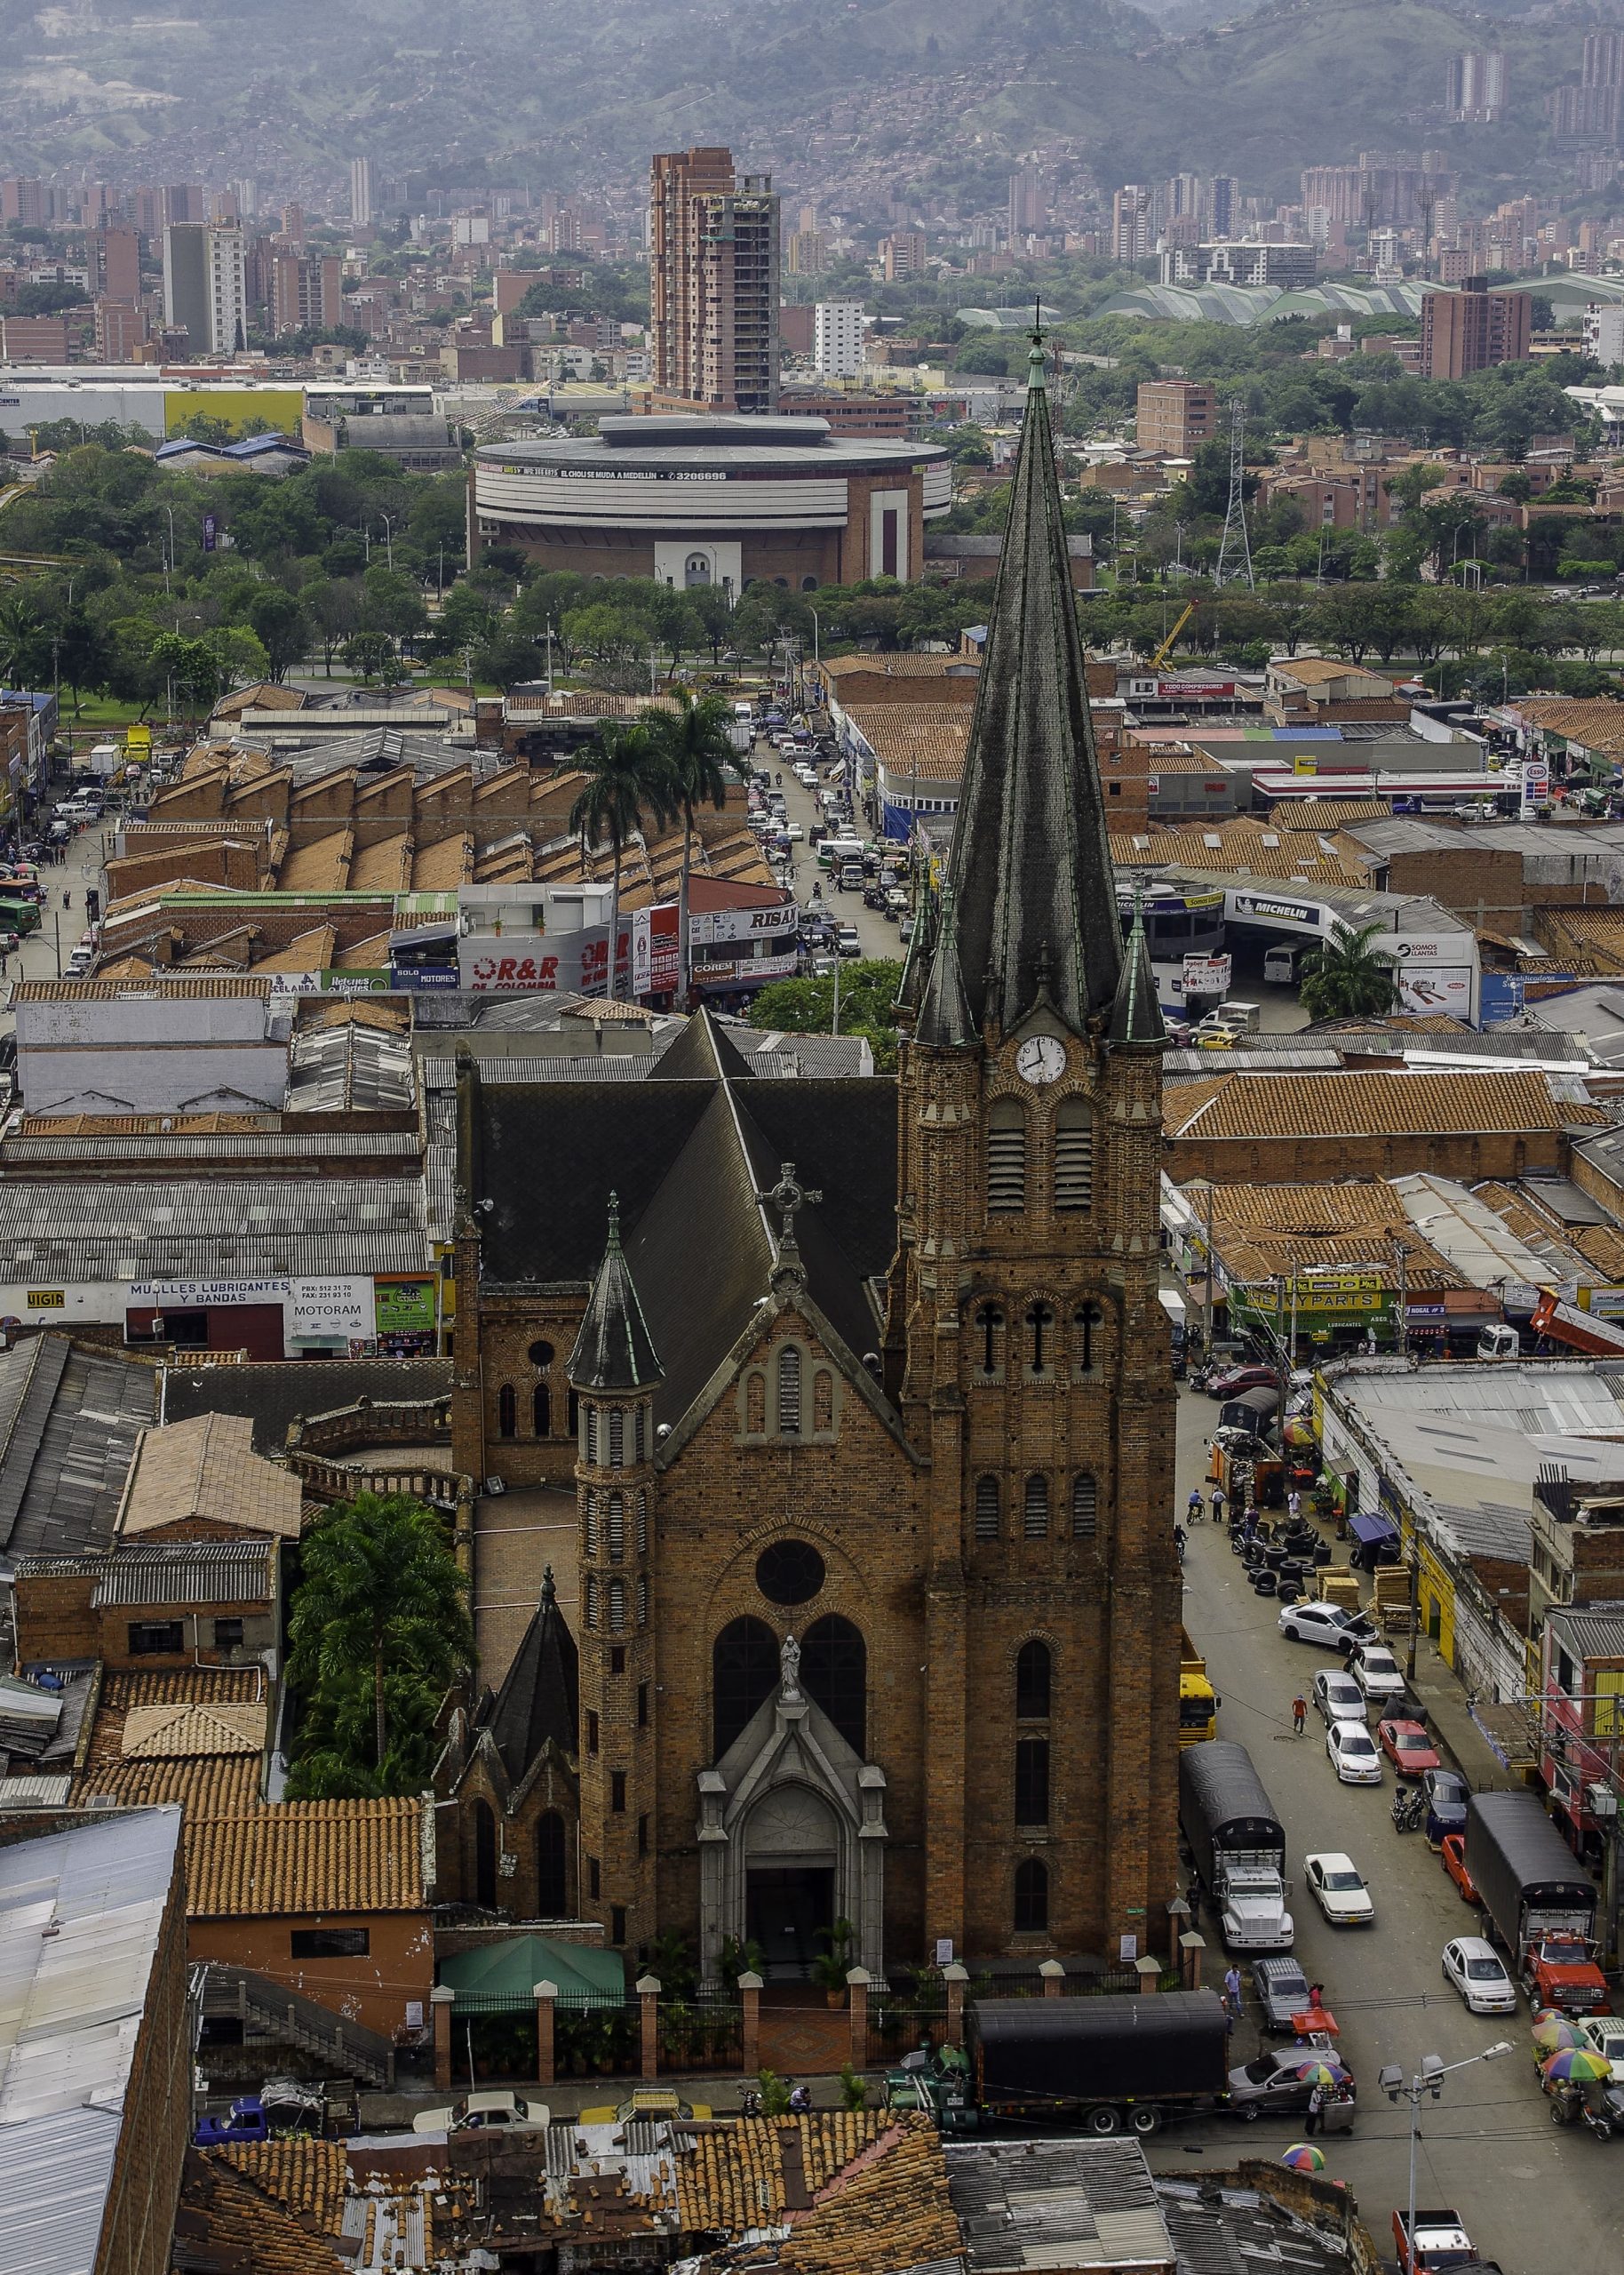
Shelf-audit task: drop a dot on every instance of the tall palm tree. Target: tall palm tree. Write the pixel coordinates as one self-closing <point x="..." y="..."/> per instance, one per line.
<point x="699" y="758"/>
<point x="1350" y="977"/>
<point x="381" y="1615"/>
<point x="626" y="774"/>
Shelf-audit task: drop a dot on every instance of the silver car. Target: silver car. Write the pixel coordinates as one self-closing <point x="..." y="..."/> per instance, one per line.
<point x="1337" y="1695"/>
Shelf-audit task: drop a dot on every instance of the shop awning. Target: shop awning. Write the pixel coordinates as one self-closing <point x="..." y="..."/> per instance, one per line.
<point x="501" y="1978"/>
<point x="1370" y="1530"/>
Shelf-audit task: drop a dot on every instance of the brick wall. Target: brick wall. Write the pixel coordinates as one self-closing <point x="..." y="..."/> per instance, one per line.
<point x="399" y="1966"/>
<point x="1328" y="1160"/>
<point x="55" y="1618"/>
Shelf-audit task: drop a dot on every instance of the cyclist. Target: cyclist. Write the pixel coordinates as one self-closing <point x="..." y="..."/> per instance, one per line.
<point x="1195" y="1509"/>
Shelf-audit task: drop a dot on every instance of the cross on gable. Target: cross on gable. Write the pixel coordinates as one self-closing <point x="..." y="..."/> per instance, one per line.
<point x="789" y="1196"/>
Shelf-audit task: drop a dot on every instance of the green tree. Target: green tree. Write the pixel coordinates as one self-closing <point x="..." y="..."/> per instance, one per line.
<point x="1350" y="977"/>
<point x="280" y="624"/>
<point x="698" y="759"/>
<point x="371" y="656"/>
<point x="868" y="992"/>
<point x="379" y="1630"/>
<point x="625" y="776"/>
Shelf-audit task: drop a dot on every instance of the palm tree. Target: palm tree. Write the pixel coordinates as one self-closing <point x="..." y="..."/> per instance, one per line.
<point x="380" y="1616"/>
<point x="1349" y="979"/>
<point x="626" y="771"/>
<point x="699" y="757"/>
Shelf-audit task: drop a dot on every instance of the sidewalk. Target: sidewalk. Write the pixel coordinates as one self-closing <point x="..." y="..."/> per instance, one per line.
<point x="1458" y="1738"/>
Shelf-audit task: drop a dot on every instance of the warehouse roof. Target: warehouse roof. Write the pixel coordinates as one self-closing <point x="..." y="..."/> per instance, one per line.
<point x="71" y="2004"/>
<point x="53" y="1232"/>
<point x="1422" y="1102"/>
<point x="68" y="1423"/>
<point x="1057" y="2203"/>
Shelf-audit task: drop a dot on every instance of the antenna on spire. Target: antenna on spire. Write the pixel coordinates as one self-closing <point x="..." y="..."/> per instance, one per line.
<point x="1235" y="550"/>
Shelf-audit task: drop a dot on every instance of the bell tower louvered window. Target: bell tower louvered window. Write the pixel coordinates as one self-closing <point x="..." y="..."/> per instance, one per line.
<point x="1007" y="1158"/>
<point x="1073" y="1154"/>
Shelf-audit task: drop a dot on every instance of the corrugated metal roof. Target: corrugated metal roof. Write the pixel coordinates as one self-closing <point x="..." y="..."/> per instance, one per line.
<point x="192" y="1230"/>
<point x="1594" y="1631"/>
<point x="47" y="1792"/>
<point x="1056" y="2204"/>
<point x="70" y="2013"/>
<point x="213" y="1571"/>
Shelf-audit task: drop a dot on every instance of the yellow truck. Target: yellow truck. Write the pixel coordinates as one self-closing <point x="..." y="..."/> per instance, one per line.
<point x="1197" y="1700"/>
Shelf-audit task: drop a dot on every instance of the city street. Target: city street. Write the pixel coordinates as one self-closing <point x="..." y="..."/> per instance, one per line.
<point x="879" y="937"/>
<point x="36" y="958"/>
<point x="1539" y="2200"/>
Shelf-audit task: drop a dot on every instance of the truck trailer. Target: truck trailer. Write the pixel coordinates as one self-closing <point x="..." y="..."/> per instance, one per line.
<point x="1238" y="1845"/>
<point x="1538" y="1898"/>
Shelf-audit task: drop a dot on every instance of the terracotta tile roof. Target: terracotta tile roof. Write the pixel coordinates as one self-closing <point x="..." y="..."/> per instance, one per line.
<point x="220" y="1785"/>
<point x="1315" y="671"/>
<point x="1596" y="723"/>
<point x="441" y="867"/>
<point x="1425" y="1102"/>
<point x="172" y="1733"/>
<point x="1261" y="1230"/>
<point x="308" y="952"/>
<point x="889" y="2209"/>
<point x="737" y="2178"/>
<point x="304" y="1857"/>
<point x="211" y="1781"/>
<point x="206" y="1469"/>
<point x="308" y="2178"/>
<point x="384" y="865"/>
<point x="371" y="955"/>
<point x="897" y="667"/>
<point x="1327" y="813"/>
<point x="264" y="695"/>
<point x="104" y="990"/>
<point x="1241" y="850"/>
<point x="930" y="736"/>
<point x="1597" y="933"/>
<point x="1601" y="1245"/>
<point x="224" y="2225"/>
<point x="323" y="866"/>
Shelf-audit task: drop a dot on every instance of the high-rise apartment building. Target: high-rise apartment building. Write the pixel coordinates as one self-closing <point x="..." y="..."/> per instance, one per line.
<point x="1027" y="205"/>
<point x="1604" y="63"/>
<point x="22" y="198"/>
<point x="713" y="282"/>
<point x="306" y="292"/>
<point x="1132" y="222"/>
<point x="902" y="254"/>
<point x="1221" y="206"/>
<point x="1474" y="86"/>
<point x="806" y="252"/>
<point x="361" y="193"/>
<point x="205" y="286"/>
<point x="1469" y="331"/>
<point x="837" y="338"/>
<point x="120" y="331"/>
<point x="184" y="202"/>
<point x="114" y="258"/>
<point x="1174" y="417"/>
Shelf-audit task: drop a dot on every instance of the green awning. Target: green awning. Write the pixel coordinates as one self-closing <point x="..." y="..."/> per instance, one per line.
<point x="501" y="1978"/>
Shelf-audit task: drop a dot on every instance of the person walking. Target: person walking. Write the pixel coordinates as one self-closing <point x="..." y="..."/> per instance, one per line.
<point x="1300" y="1714"/>
<point x="1231" y="1992"/>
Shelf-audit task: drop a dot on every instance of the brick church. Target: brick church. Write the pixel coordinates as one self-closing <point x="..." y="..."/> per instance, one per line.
<point x="860" y="1388"/>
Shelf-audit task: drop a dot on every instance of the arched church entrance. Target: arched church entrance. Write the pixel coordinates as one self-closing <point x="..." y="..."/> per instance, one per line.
<point x="792" y="1850"/>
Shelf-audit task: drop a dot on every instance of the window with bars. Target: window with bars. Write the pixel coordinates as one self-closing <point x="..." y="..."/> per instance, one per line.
<point x="1073" y="1154"/>
<point x="617" y="1437"/>
<point x="1007" y="1157"/>
<point x="789" y="1392"/>
<point x="1031" y="1781"/>
<point x="1085" y="1505"/>
<point x="986" y="1508"/>
<point x="617" y="1528"/>
<point x="1036" y="1522"/>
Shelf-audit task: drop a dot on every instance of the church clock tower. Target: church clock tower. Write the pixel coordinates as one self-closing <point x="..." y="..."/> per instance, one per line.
<point x="1027" y="1348"/>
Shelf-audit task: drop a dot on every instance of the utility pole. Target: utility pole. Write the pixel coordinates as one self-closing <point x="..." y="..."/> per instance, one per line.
<point x="1404" y="1299"/>
<point x="1211" y="1267"/>
<point x="1235" y="549"/>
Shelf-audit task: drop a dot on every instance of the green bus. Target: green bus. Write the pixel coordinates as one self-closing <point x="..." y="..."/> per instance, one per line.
<point x="19" y="916"/>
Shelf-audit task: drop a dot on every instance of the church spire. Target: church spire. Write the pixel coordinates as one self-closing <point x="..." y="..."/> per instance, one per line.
<point x="1036" y="901"/>
<point x="946" y="1022"/>
<point x="614" y="1350"/>
<point x="1136" y="1014"/>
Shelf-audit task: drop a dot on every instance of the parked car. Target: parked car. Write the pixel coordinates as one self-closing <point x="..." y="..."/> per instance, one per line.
<point x="481" y="2112"/>
<point x="1235" y="1379"/>
<point x="1325" y="1623"/>
<point x="1474" y="1968"/>
<point x="1445" y="1790"/>
<point x="1376" y="1670"/>
<point x="1407" y="1747"/>
<point x="1337" y="1695"/>
<point x="1273" y="2082"/>
<point x="845" y="941"/>
<point x="1353" y="1754"/>
<point x="1604" y="2034"/>
<point x="1338" y="1888"/>
<point x="1282" y="1991"/>
<point x="1453" y="1853"/>
<point x="895" y="904"/>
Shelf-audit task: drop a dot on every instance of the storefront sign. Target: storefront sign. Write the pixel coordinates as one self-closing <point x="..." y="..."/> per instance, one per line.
<point x="403" y="1315"/>
<point x="752" y="972"/>
<point x="1433" y="988"/>
<point x="655" y="950"/>
<point x="330" y="1311"/>
<point x="356" y="982"/>
<point x="424" y="979"/>
<point x="1276" y="908"/>
<point x="46" y="1299"/>
<point x="708" y="927"/>
<point x="207" y="1294"/>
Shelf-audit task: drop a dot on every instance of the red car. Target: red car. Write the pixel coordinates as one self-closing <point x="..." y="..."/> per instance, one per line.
<point x="1239" y="1378"/>
<point x="1454" y="1864"/>
<point x="1407" y="1747"/>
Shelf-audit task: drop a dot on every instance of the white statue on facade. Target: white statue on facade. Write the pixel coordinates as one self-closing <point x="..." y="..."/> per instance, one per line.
<point x="789" y="1669"/>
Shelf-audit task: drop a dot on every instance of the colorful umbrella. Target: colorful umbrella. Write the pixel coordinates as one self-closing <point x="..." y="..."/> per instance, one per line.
<point x="1322" y="2073"/>
<point x="1554" y="2034"/>
<point x="1576" y="2065"/>
<point x="1302" y="2156"/>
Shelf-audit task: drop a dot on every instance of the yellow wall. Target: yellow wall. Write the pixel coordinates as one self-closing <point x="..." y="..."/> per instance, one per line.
<point x="283" y="408"/>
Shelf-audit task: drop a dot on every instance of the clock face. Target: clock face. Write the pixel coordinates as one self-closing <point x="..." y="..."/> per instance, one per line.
<point x="1041" y="1059"/>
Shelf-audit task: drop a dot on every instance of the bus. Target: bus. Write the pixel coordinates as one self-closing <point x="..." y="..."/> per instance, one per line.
<point x="17" y="915"/>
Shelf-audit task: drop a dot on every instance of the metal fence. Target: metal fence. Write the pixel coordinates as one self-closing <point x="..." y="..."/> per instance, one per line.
<point x="702" y="2031"/>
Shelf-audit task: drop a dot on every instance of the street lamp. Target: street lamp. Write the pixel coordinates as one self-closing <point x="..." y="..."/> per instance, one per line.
<point x="169" y="562"/>
<point x="1429" y="2080"/>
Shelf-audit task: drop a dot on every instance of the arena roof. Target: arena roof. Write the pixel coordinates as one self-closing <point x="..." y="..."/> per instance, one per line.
<point x="699" y="446"/>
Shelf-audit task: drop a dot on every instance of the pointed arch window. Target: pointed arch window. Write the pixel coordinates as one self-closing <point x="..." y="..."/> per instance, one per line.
<point x="1073" y="1154"/>
<point x="642" y="1524"/>
<point x="616" y="1605"/>
<point x="1086" y="1320"/>
<point x="507" y="1411"/>
<point x="789" y="1392"/>
<point x="642" y="1602"/>
<point x="590" y="1436"/>
<point x="987" y="1526"/>
<point x="592" y="1599"/>
<point x="640" y="1420"/>
<point x="541" y="1410"/>
<point x="1007" y="1157"/>
<point x="1036" y="1515"/>
<point x="589" y="1510"/>
<point x="743" y="1676"/>
<point x="989" y="1339"/>
<point x="1040" y="1338"/>
<point x="1085" y="1505"/>
<point x="834" y="1671"/>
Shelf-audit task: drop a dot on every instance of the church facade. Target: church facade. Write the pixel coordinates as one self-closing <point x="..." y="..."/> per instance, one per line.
<point x="862" y="1391"/>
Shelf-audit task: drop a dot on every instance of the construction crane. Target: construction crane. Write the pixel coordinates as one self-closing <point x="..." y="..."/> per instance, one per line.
<point x="1160" y="657"/>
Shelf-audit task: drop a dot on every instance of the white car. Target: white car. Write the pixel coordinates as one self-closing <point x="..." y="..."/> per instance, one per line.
<point x="1604" y="2034"/>
<point x="1376" y="1670"/>
<point x="1341" y="1894"/>
<point x="1474" y="1967"/>
<point x="485" y="2113"/>
<point x="1324" y="1623"/>
<point x="796" y="835"/>
<point x="1337" y="1695"/>
<point x="1353" y="1753"/>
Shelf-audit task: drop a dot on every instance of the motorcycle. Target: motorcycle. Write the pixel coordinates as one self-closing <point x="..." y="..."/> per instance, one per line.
<point x="1409" y="1811"/>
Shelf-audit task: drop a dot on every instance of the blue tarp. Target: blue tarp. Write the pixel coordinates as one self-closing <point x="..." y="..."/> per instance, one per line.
<point x="1372" y="1529"/>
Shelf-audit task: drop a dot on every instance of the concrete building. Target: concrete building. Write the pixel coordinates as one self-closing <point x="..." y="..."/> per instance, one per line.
<point x="1604" y="334"/>
<point x="1287" y="266"/>
<point x="205" y="286"/>
<point x="1174" y="417"/>
<point x="1132" y="222"/>
<point x="903" y="253"/>
<point x="306" y="292"/>
<point x="713" y="282"/>
<point x="114" y="255"/>
<point x="714" y="501"/>
<point x="1473" y="329"/>
<point x="1474" y="87"/>
<point x="361" y="193"/>
<point x="208" y="1044"/>
<point x="837" y="338"/>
